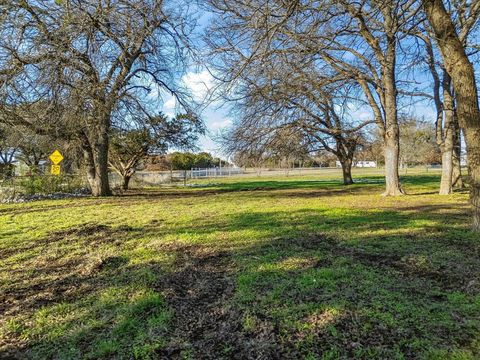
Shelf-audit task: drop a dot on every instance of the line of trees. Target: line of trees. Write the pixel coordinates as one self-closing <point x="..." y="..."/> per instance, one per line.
<point x="183" y="161"/>
<point x="155" y="135"/>
<point x="290" y="150"/>
<point x="87" y="70"/>
<point x="305" y="66"/>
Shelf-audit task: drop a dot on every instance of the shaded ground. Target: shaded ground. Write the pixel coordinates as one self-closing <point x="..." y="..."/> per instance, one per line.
<point x="269" y="269"/>
<point x="199" y="292"/>
<point x="207" y="323"/>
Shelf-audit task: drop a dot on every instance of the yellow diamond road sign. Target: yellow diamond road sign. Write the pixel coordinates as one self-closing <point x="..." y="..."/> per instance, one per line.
<point x="56" y="157"/>
<point x="55" y="170"/>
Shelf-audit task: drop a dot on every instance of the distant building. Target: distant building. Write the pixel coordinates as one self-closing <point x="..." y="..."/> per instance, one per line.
<point x="360" y="164"/>
<point x="365" y="164"/>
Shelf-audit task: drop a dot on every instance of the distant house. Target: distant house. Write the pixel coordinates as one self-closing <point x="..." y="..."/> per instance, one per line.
<point x="361" y="164"/>
<point x="365" y="164"/>
<point x="17" y="167"/>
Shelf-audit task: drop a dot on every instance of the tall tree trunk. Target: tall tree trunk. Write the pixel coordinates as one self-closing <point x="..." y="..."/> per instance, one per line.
<point x="392" y="131"/>
<point x="90" y="166"/>
<point x="391" y="153"/>
<point x="346" y="170"/>
<point x="95" y="150"/>
<point x="345" y="151"/>
<point x="101" y="166"/>
<point x="126" y="181"/>
<point x="448" y="135"/>
<point x="457" y="180"/>
<point x="461" y="71"/>
<point x="447" y="171"/>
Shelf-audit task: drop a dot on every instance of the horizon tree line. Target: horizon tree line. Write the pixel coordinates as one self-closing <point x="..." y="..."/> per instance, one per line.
<point x="356" y="54"/>
<point x="82" y="69"/>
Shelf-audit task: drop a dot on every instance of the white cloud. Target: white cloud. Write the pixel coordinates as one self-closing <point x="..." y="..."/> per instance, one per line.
<point x="199" y="83"/>
<point x="169" y="106"/>
<point x="219" y="124"/>
<point x="362" y="115"/>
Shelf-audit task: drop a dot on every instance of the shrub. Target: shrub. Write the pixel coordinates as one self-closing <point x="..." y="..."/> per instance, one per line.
<point x="47" y="184"/>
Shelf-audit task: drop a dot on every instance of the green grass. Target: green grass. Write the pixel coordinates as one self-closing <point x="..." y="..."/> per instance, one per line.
<point x="292" y="267"/>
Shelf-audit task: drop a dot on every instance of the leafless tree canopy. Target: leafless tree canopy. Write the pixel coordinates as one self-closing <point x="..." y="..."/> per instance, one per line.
<point x="92" y="62"/>
<point x="295" y="71"/>
<point x="376" y="50"/>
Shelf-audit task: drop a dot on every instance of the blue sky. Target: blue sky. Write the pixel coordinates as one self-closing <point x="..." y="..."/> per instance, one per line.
<point x="199" y="81"/>
<point x="216" y="115"/>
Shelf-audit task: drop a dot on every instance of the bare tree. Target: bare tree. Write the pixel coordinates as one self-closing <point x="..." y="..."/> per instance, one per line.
<point x="371" y="37"/>
<point x="153" y="136"/>
<point x="95" y="59"/>
<point x="445" y="118"/>
<point x="358" y="40"/>
<point x="291" y="134"/>
<point x="9" y="147"/>
<point x="312" y="101"/>
<point x="464" y="17"/>
<point x="462" y="73"/>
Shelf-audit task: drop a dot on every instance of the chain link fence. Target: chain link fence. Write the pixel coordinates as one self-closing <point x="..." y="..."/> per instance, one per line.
<point x="197" y="173"/>
<point x="14" y="187"/>
<point x="152" y="178"/>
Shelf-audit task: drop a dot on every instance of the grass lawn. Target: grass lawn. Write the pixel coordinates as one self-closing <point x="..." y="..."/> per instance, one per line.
<point x="260" y="268"/>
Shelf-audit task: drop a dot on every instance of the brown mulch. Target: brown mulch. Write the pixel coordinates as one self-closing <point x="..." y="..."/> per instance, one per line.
<point x="206" y="324"/>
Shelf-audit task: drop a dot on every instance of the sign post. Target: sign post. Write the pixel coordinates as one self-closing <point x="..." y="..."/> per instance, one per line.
<point x="56" y="158"/>
<point x="55" y="170"/>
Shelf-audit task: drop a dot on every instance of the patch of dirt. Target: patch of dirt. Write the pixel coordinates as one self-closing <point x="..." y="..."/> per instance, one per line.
<point x="459" y="277"/>
<point x="83" y="230"/>
<point x="379" y="336"/>
<point x="89" y="233"/>
<point x="206" y="324"/>
<point x="58" y="276"/>
<point x="408" y="266"/>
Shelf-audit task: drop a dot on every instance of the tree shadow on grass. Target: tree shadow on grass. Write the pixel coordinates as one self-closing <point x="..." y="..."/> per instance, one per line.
<point x="253" y="189"/>
<point x="410" y="292"/>
<point x="406" y="284"/>
<point x="114" y="307"/>
<point x="323" y="298"/>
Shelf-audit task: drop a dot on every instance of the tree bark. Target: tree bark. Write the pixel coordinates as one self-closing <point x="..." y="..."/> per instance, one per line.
<point x="457" y="180"/>
<point x="391" y="134"/>
<point x="95" y="150"/>
<point x="126" y="181"/>
<point x="344" y="150"/>
<point x="461" y="71"/>
<point x="346" y="171"/>
<point x="448" y="137"/>
<point x="447" y="171"/>
<point x="391" y="153"/>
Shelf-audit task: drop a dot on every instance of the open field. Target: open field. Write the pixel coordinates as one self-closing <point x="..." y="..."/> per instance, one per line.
<point x="260" y="268"/>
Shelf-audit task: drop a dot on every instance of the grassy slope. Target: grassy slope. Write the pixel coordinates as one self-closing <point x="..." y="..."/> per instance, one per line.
<point x="293" y="267"/>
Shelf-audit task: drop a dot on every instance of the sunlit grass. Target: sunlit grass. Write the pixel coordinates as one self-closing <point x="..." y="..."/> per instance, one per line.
<point x="320" y="270"/>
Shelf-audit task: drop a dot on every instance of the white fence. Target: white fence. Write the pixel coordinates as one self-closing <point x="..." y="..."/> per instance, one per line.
<point x="151" y="178"/>
<point x="215" y="172"/>
<point x="359" y="164"/>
